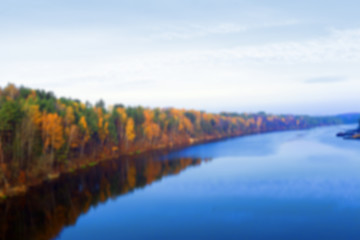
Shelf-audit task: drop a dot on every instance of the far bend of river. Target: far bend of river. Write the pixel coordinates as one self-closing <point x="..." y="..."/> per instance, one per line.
<point x="284" y="185"/>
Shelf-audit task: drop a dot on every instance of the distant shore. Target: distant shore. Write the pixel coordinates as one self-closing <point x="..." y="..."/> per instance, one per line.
<point x="350" y="134"/>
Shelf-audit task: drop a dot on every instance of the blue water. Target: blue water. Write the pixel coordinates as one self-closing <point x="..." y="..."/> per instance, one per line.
<point x="284" y="185"/>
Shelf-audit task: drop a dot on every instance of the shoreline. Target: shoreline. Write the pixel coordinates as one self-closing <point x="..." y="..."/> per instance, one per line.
<point x="12" y="191"/>
<point x="353" y="134"/>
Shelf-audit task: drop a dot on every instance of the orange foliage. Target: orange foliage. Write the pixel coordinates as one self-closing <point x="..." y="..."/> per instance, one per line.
<point x="122" y="114"/>
<point x="129" y="131"/>
<point x="151" y="129"/>
<point x="74" y="140"/>
<point x="84" y="129"/>
<point x="52" y="131"/>
<point x="259" y="122"/>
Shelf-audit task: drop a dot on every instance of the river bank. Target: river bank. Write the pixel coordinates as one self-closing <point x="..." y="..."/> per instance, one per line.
<point x="263" y="176"/>
<point x="350" y="134"/>
<point x="11" y="191"/>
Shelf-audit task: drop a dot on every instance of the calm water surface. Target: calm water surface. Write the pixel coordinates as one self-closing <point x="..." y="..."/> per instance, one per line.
<point x="286" y="185"/>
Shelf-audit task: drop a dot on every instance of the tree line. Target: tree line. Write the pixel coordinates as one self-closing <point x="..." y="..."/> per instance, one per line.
<point x="42" y="135"/>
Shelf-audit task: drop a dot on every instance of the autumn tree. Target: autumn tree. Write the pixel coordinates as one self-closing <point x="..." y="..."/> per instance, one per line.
<point x="52" y="134"/>
<point x="130" y="133"/>
<point x="84" y="134"/>
<point x="30" y="126"/>
<point x="151" y="129"/>
<point x="71" y="129"/>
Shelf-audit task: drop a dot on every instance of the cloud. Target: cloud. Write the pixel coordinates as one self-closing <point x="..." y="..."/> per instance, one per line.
<point x="242" y="76"/>
<point x="188" y="31"/>
<point x="339" y="46"/>
<point x="326" y="79"/>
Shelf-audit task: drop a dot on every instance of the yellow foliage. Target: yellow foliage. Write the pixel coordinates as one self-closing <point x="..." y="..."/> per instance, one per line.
<point x="130" y="133"/>
<point x="74" y="133"/>
<point x="32" y="95"/>
<point x="174" y="113"/>
<point x="35" y="115"/>
<point x="100" y="122"/>
<point x="188" y="125"/>
<point x="98" y="111"/>
<point x="270" y="118"/>
<point x="11" y="92"/>
<point x="149" y="115"/>
<point x="84" y="128"/>
<point x="122" y="114"/>
<point x="83" y="123"/>
<point x="181" y="126"/>
<point x="151" y="131"/>
<point x="106" y="128"/>
<point x="242" y="120"/>
<point x="69" y="115"/>
<point x="52" y="131"/>
<point x="103" y="128"/>
<point x="205" y="116"/>
<point x="259" y="122"/>
<point x="250" y="122"/>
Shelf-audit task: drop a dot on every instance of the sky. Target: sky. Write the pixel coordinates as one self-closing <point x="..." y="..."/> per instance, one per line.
<point x="278" y="56"/>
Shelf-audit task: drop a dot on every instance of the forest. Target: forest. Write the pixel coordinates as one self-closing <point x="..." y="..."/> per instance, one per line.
<point x="42" y="136"/>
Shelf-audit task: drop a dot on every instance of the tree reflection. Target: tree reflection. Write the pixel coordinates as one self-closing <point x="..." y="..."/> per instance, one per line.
<point x="44" y="211"/>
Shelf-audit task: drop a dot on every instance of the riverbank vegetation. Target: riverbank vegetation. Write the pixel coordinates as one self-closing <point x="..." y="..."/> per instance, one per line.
<point x="42" y="136"/>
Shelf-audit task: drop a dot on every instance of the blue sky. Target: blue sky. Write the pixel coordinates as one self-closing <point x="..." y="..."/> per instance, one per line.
<point x="276" y="56"/>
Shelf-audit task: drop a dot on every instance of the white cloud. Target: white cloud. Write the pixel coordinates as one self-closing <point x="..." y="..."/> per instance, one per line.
<point x="190" y="31"/>
<point x="254" y="77"/>
<point x="187" y="31"/>
<point x="339" y="46"/>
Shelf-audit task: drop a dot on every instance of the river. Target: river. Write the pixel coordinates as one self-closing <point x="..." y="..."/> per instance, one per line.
<point x="284" y="185"/>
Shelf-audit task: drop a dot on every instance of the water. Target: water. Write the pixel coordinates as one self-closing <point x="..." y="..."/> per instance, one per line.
<point x="285" y="185"/>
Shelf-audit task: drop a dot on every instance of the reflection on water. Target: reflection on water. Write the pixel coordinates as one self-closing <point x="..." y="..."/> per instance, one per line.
<point x="44" y="211"/>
